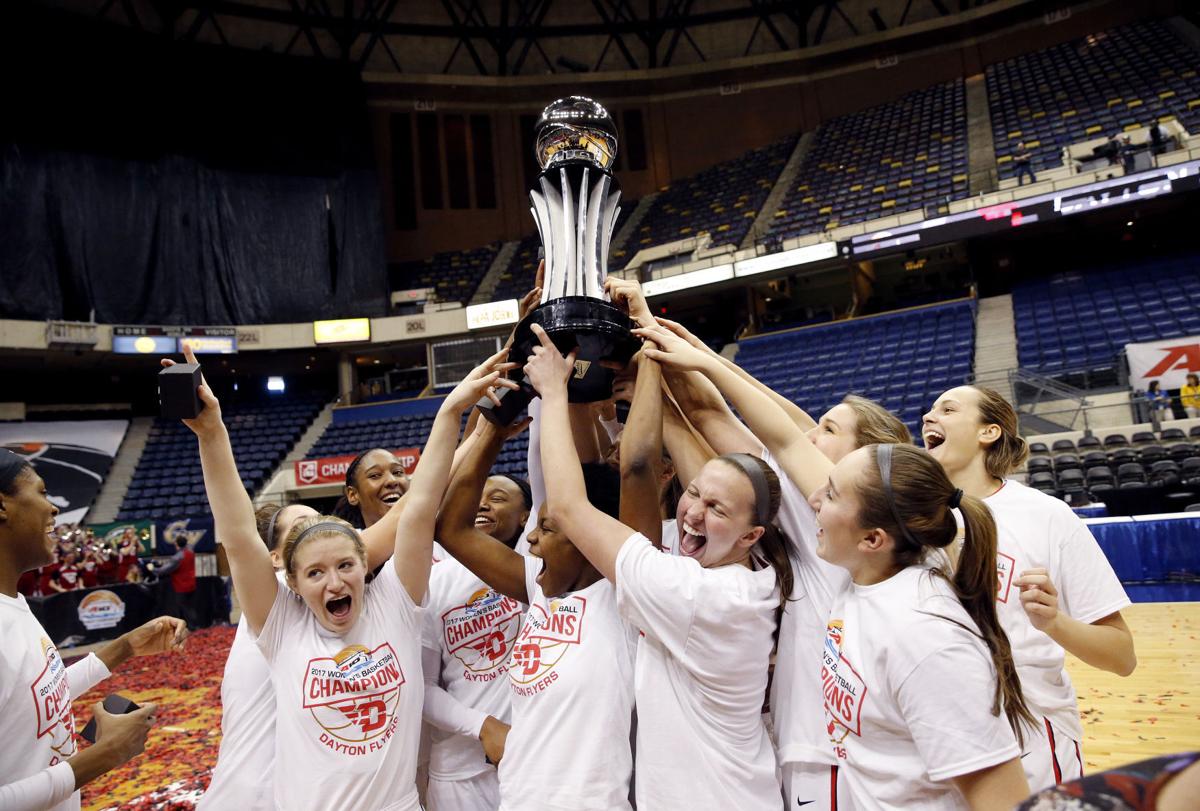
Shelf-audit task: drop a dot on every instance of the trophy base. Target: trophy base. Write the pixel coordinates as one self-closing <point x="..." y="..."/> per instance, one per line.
<point x="600" y="330"/>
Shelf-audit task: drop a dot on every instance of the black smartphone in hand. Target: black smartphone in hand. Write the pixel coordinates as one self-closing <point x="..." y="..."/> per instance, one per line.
<point x="114" y="704"/>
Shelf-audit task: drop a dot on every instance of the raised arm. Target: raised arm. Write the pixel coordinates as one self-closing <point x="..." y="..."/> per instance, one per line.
<point x="233" y="514"/>
<point x="705" y="408"/>
<point x="689" y="452"/>
<point x="490" y="560"/>
<point x="803" y="463"/>
<point x="795" y="413"/>
<point x="641" y="455"/>
<point x="642" y="439"/>
<point x="380" y="537"/>
<point x="414" y="531"/>
<point x="597" y="535"/>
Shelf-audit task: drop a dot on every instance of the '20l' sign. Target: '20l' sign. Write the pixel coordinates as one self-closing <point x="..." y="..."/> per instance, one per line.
<point x="1169" y="362"/>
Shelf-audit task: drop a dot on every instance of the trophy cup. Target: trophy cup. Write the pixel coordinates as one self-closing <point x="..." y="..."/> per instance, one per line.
<point x="574" y="204"/>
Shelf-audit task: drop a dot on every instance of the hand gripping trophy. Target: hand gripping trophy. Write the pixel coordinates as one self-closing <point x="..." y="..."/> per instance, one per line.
<point x="574" y="204"/>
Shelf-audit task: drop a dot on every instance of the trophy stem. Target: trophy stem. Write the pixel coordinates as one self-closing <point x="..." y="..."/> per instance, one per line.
<point x="575" y="208"/>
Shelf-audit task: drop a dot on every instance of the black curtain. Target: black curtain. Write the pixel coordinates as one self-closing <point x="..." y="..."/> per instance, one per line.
<point x="152" y="182"/>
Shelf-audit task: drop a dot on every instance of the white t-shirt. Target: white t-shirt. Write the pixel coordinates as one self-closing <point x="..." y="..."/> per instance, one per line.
<point x="700" y="680"/>
<point x="37" y="724"/>
<point x="908" y="694"/>
<point x="1039" y="531"/>
<point x="473" y="629"/>
<point x="245" y="766"/>
<point x="796" y="703"/>
<point x="348" y="708"/>
<point x="571" y="675"/>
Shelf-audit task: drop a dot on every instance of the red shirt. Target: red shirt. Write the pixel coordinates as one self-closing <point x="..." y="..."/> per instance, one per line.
<point x="27" y="583"/>
<point x="124" y="564"/>
<point x="107" y="570"/>
<point x="183" y="579"/>
<point x="69" y="577"/>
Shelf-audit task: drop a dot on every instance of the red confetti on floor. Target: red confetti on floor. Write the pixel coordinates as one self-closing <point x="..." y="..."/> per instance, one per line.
<point x="182" y="748"/>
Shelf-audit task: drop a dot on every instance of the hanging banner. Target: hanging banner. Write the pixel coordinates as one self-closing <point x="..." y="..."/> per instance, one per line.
<point x="198" y="532"/>
<point x="1169" y="362"/>
<point x="332" y="469"/>
<point x="71" y="457"/>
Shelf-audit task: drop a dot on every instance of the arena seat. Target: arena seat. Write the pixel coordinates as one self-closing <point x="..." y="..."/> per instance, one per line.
<point x="893" y="158"/>
<point x="1088" y="88"/>
<point x="168" y="482"/>
<point x="1073" y="321"/>
<point x="722" y="200"/>
<point x="454" y="274"/>
<point x="903" y="360"/>
<point x="1038" y="464"/>
<point x="518" y="278"/>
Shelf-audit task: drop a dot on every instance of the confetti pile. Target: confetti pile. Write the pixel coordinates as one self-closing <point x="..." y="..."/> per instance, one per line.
<point x="182" y="749"/>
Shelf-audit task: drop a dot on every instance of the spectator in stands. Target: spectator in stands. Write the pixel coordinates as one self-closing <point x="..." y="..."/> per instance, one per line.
<point x="375" y="481"/>
<point x="1021" y="159"/>
<point x="89" y="566"/>
<point x="67" y="575"/>
<point x="1189" y="396"/>
<point x="1128" y="154"/>
<point x="127" y="557"/>
<point x="1158" y="401"/>
<point x="1158" y="139"/>
<point x="182" y="569"/>
<point x="1058" y="592"/>
<point x="1112" y="149"/>
<point x="40" y="766"/>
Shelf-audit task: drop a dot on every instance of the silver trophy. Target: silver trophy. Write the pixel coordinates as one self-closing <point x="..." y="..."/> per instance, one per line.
<point x="575" y="205"/>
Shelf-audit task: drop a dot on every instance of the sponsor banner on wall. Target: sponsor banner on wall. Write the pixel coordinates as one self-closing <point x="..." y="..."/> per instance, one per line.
<point x="1169" y="362"/>
<point x="118" y="532"/>
<point x="198" y="532"/>
<point x="71" y="457"/>
<point x="332" y="469"/>
<point x="101" y="609"/>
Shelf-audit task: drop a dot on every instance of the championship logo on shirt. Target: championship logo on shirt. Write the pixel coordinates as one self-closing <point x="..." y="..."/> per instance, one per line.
<point x="543" y="642"/>
<point x="353" y="696"/>
<point x="480" y="633"/>
<point x="843" y="688"/>
<point x="52" y="698"/>
<point x="1004" y="572"/>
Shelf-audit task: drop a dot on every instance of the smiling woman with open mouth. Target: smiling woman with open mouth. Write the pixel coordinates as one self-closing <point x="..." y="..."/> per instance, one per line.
<point x="707" y="618"/>
<point x="344" y="655"/>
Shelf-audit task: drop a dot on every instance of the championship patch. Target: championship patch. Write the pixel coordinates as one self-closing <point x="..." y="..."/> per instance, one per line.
<point x="353" y="696"/>
<point x="481" y="633"/>
<point x="52" y="699"/>
<point x="843" y="688"/>
<point x="544" y="640"/>
<point x="1004" y="573"/>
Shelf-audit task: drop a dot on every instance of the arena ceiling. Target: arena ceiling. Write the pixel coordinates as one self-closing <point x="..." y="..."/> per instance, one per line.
<point x="521" y="37"/>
